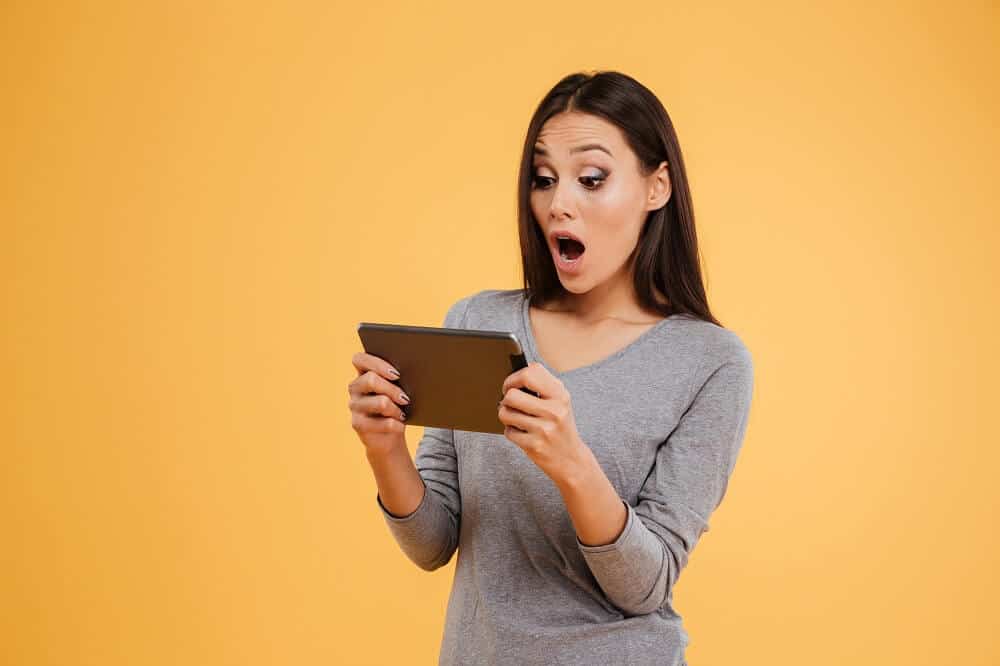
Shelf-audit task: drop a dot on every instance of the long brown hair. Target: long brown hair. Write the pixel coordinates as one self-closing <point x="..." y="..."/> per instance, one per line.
<point x="668" y="246"/>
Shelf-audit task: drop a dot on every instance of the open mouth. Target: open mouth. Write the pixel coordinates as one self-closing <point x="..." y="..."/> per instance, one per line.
<point x="570" y="249"/>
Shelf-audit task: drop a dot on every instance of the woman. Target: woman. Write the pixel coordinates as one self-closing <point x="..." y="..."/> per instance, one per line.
<point x="573" y="527"/>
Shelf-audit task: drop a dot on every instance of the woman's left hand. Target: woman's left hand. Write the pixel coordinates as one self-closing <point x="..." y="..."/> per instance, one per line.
<point x="543" y="427"/>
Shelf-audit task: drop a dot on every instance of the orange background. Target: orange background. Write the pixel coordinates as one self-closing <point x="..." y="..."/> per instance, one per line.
<point x="201" y="200"/>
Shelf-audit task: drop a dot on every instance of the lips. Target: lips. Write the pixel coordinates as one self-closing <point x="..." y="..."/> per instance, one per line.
<point x="567" y="267"/>
<point x="555" y="234"/>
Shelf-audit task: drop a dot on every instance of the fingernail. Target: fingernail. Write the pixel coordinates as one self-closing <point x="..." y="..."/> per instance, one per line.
<point x="404" y="397"/>
<point x="393" y="371"/>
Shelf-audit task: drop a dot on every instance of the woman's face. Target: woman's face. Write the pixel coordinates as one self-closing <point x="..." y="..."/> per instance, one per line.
<point x="586" y="181"/>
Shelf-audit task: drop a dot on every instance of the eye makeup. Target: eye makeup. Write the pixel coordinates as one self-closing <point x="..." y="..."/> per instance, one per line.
<point x="590" y="182"/>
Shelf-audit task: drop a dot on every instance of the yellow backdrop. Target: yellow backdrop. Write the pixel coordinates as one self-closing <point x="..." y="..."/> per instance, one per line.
<point x="201" y="200"/>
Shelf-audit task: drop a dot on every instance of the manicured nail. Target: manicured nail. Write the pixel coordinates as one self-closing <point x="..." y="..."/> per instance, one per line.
<point x="393" y="371"/>
<point x="405" y="398"/>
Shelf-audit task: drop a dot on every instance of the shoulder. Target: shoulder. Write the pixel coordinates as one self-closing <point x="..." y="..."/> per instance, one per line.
<point x="716" y="346"/>
<point x="490" y="296"/>
<point x="484" y="300"/>
<point x="714" y="361"/>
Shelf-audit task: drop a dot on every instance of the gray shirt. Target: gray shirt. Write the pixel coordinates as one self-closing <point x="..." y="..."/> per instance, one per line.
<point x="665" y="417"/>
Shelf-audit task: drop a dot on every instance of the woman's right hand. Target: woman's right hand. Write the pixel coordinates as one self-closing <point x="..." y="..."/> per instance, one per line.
<point x="374" y="404"/>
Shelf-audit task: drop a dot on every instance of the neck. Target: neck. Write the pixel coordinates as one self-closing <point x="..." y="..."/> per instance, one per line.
<point x="613" y="299"/>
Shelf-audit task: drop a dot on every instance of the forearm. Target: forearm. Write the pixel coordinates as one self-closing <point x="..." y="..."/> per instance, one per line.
<point x="594" y="506"/>
<point x="420" y="505"/>
<point x="399" y="484"/>
<point x="629" y="562"/>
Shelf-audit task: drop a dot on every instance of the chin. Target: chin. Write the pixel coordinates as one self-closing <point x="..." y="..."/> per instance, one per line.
<point x="576" y="286"/>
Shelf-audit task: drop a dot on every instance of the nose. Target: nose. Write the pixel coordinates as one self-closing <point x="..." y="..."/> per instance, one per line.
<point x="561" y="204"/>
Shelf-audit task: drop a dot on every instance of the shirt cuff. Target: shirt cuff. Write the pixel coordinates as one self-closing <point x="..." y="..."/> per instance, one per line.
<point x="407" y="518"/>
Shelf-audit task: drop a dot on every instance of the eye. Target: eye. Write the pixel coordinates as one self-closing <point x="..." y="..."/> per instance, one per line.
<point x="589" y="182"/>
<point x="592" y="182"/>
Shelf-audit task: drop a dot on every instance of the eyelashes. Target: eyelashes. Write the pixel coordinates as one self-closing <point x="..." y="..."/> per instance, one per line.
<point x="589" y="182"/>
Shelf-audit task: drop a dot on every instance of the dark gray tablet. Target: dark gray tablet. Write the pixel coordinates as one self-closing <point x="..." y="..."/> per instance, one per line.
<point x="453" y="376"/>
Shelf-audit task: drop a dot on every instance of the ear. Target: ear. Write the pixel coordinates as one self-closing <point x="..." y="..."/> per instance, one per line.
<point x="659" y="188"/>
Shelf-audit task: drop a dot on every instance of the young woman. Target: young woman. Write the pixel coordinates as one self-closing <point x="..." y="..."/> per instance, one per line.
<point x="573" y="527"/>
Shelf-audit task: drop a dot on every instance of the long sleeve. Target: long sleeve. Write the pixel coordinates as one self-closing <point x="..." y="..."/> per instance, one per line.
<point x="429" y="535"/>
<point x="688" y="480"/>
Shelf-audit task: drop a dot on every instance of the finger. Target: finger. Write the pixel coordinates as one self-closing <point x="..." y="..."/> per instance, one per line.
<point x="524" y="402"/>
<point x="515" y="378"/>
<point x="378" y="424"/>
<point x="376" y="406"/>
<point x="363" y="362"/>
<point x="370" y="382"/>
<point x="515" y="418"/>
<point x="533" y="379"/>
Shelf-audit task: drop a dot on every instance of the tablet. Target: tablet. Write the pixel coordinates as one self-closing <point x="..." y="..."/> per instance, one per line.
<point x="453" y="376"/>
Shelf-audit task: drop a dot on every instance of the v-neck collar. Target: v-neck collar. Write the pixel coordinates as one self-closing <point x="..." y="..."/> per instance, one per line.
<point x="532" y="348"/>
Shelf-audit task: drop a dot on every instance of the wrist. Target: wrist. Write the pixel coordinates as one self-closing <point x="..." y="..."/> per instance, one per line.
<point x="578" y="470"/>
<point x="379" y="456"/>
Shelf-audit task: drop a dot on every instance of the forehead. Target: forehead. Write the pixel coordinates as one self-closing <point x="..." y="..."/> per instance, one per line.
<point x="565" y="131"/>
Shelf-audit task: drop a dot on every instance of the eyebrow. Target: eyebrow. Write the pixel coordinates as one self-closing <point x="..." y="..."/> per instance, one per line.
<point x="539" y="150"/>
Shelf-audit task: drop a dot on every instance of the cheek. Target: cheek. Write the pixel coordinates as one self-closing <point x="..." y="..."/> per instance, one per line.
<point x="610" y="209"/>
<point x="612" y="220"/>
<point x="540" y="206"/>
<point x="619" y="199"/>
<point x="537" y="208"/>
<point x="610" y="245"/>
